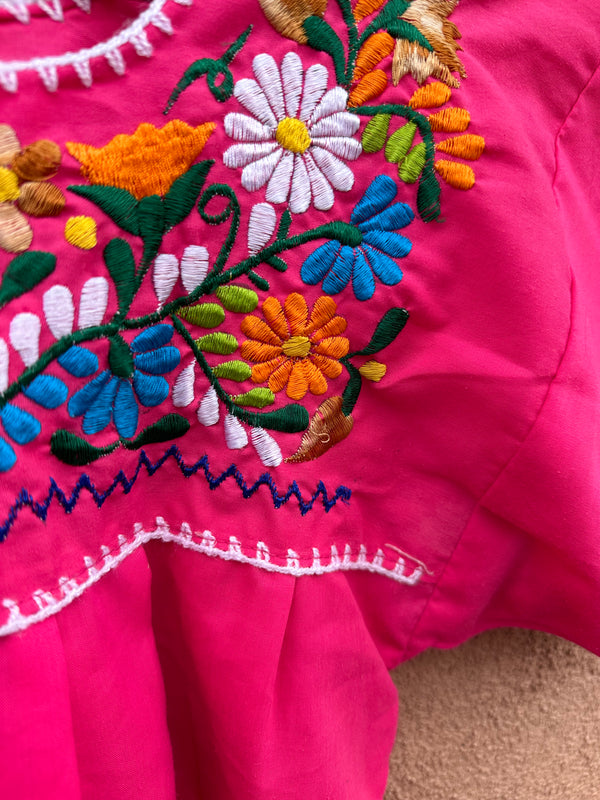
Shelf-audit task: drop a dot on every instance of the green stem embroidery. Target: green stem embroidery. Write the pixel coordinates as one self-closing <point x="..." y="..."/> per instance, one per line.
<point x="353" y="43"/>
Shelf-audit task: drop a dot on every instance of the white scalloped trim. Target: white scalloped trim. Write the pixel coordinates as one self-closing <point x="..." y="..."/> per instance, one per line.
<point x="20" y="8"/>
<point x="69" y="589"/>
<point x="47" y="67"/>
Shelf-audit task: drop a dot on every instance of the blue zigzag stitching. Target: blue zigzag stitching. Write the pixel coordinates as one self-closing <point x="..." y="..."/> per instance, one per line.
<point x="40" y="510"/>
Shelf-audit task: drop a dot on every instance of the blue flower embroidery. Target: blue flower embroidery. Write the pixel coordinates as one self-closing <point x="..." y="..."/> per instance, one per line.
<point x="377" y="219"/>
<point x="21" y="427"/>
<point x="109" y="397"/>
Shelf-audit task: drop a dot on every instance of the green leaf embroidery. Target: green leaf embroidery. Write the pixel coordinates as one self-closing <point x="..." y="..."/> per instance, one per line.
<point x="75" y="451"/>
<point x="151" y="214"/>
<point x="120" y="359"/>
<point x="119" y="204"/>
<point x="223" y="343"/>
<point x="204" y="315"/>
<point x="401" y="29"/>
<point x="388" y="328"/>
<point x="183" y="193"/>
<point x="237" y="298"/>
<point x="233" y="370"/>
<point x="24" y="273"/>
<point x="171" y="426"/>
<point x="352" y="390"/>
<point x="292" y="418"/>
<point x="391" y="11"/>
<point x="255" y="398"/>
<point x="120" y="263"/>
<point x="321" y="36"/>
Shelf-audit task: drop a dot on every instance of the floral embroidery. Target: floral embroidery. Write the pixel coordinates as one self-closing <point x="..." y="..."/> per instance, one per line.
<point x="376" y="218"/>
<point x="130" y="162"/>
<point x="290" y="348"/>
<point x="297" y="136"/>
<point x="24" y="188"/>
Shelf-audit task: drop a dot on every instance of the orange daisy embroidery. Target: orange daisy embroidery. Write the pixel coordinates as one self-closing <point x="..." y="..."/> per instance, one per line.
<point x="293" y="349"/>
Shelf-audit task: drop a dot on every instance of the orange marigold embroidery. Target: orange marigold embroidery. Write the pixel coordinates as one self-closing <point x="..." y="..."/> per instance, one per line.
<point x="147" y="162"/>
<point x="290" y="348"/>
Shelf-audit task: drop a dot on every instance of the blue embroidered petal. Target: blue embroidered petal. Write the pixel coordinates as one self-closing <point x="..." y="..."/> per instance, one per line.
<point x="390" y="219"/>
<point x="384" y="267"/>
<point x="158" y="361"/>
<point x="19" y="425"/>
<point x="7" y="456"/>
<point x="393" y="244"/>
<point x="318" y="263"/>
<point x="340" y="273"/>
<point x="152" y="338"/>
<point x="99" y="414"/>
<point x="363" y="281"/>
<point x="379" y="194"/>
<point x="125" y="410"/>
<point x="79" y="361"/>
<point x="83" y="399"/>
<point x="151" y="390"/>
<point x="47" y="391"/>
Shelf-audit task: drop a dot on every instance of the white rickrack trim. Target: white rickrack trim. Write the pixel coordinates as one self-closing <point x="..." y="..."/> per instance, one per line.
<point x="47" y="66"/>
<point x="49" y="603"/>
<point x="53" y="8"/>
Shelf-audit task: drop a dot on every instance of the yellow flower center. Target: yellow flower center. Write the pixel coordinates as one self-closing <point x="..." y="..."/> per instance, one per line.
<point x="292" y="134"/>
<point x="296" y="347"/>
<point x="9" y="185"/>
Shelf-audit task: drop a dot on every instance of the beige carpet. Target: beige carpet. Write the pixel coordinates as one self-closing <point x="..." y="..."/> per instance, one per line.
<point x="510" y="715"/>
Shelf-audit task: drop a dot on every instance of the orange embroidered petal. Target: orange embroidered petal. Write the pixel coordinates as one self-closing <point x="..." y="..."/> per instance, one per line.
<point x="323" y="310"/>
<point x="147" y="162"/>
<point x="334" y="327"/>
<point x="329" y="367"/>
<point x="450" y="120"/>
<point x="37" y="162"/>
<point x="262" y="372"/>
<point x="280" y="376"/>
<point x="372" y="85"/>
<point x="334" y="347"/>
<point x="461" y="176"/>
<point x="365" y="7"/>
<point x="316" y="380"/>
<point x="374" y="50"/>
<point x="258" y="352"/>
<point x="296" y="312"/>
<point x="41" y="199"/>
<point x="468" y="146"/>
<point x="431" y="96"/>
<point x="275" y="317"/>
<point x="256" y="328"/>
<point x="297" y="385"/>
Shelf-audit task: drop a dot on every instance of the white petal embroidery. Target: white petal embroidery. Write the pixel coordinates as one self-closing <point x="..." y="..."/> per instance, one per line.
<point x="261" y="227"/>
<point x="255" y="175"/>
<point x="252" y="97"/>
<point x="247" y="129"/>
<point x="278" y="189"/>
<point x="59" y="311"/>
<point x="333" y="101"/>
<point x="235" y="435"/>
<point x="240" y="155"/>
<point x="183" y="390"/>
<point x="267" y="75"/>
<point x="300" y="194"/>
<point x="208" y="410"/>
<point x="340" y="124"/>
<point x="93" y="302"/>
<point x="194" y="266"/>
<point x="24" y="333"/>
<point x="320" y="186"/>
<point x="164" y="275"/>
<point x="267" y="448"/>
<point x="315" y="85"/>
<point x="342" y="146"/>
<point x="3" y="365"/>
<point x="291" y="75"/>
<point x="336" y="172"/>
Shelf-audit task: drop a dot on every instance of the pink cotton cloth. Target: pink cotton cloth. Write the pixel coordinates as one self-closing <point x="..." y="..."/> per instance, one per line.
<point x="180" y="663"/>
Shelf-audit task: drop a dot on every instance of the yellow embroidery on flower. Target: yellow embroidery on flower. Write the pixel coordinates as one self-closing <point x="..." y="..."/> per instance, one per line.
<point x="293" y="349"/>
<point x="81" y="232"/>
<point x="147" y="162"/>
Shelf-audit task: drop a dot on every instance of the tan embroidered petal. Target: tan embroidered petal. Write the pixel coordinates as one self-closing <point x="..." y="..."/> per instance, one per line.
<point x="15" y="231"/>
<point x="41" y="199"/>
<point x="9" y="144"/>
<point x="287" y="16"/>
<point x="38" y="161"/>
<point x="410" y="57"/>
<point x="328" y="426"/>
<point x="430" y="18"/>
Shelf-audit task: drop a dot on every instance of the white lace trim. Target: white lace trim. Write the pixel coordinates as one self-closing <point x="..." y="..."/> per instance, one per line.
<point x="49" y="603"/>
<point x="47" y="66"/>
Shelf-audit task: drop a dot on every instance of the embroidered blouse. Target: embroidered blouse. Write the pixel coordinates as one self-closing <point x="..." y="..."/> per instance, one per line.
<point x="299" y="376"/>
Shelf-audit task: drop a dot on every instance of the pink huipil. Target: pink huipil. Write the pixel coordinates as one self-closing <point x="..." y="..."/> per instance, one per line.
<point x="185" y="613"/>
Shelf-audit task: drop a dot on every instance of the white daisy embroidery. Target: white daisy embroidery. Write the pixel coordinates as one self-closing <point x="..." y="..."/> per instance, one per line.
<point x="297" y="134"/>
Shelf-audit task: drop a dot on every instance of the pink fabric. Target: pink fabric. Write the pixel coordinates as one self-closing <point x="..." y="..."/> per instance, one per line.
<point x="477" y="456"/>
